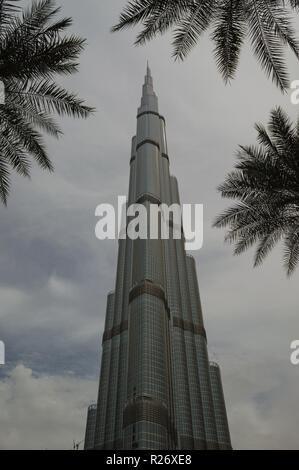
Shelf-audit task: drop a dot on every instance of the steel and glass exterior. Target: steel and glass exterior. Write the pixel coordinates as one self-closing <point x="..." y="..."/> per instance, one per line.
<point x="90" y="427"/>
<point x="157" y="388"/>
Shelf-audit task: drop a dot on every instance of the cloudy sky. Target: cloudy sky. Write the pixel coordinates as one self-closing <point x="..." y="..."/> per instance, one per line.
<point x="54" y="273"/>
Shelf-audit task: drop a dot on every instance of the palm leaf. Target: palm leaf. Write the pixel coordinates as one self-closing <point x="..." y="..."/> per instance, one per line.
<point x="191" y="26"/>
<point x="291" y="252"/>
<point x="161" y="18"/>
<point x="265" y="184"/>
<point x="267" y="23"/>
<point x="32" y="53"/>
<point x="267" y="46"/>
<point x="4" y="179"/>
<point x="229" y="33"/>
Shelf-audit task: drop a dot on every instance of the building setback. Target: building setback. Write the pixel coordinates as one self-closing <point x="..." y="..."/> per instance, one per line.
<point x="90" y="426"/>
<point x="157" y="388"/>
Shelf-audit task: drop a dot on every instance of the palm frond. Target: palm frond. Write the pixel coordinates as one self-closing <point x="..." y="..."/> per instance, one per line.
<point x="27" y="137"/>
<point x="265" y="184"/>
<point x="136" y="11"/>
<point x="4" y="180"/>
<point x="7" y="12"/>
<point x="33" y="52"/>
<point x="161" y="13"/>
<point x="14" y="153"/>
<point x="266" y="245"/>
<point x="229" y="33"/>
<point x="191" y="26"/>
<point x="50" y="97"/>
<point x="43" y="58"/>
<point x="291" y="252"/>
<point x="161" y="18"/>
<point x="282" y="130"/>
<point x="268" y="23"/>
<point x="267" y="46"/>
<point x="294" y="4"/>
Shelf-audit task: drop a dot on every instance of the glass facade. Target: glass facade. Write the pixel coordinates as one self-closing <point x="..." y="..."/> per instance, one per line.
<point x="157" y="389"/>
<point x="90" y="427"/>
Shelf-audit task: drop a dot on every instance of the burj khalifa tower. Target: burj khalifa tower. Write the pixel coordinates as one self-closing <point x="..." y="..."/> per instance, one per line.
<point x="157" y="389"/>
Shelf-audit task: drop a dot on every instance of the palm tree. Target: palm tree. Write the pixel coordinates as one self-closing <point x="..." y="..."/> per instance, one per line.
<point x="266" y="23"/>
<point x="32" y="52"/>
<point x="266" y="185"/>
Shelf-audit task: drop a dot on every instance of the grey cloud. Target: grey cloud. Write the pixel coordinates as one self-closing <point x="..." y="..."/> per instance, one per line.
<point x="42" y="411"/>
<point x="55" y="275"/>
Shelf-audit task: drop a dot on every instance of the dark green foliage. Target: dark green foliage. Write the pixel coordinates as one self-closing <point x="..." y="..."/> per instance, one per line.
<point x="266" y="185"/>
<point x="266" y="23"/>
<point x="33" y="51"/>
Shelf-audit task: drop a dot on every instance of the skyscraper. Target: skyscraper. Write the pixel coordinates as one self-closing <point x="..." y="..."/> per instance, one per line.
<point x="157" y="388"/>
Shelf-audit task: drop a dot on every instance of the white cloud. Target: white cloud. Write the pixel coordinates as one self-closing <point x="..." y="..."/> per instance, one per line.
<point x="42" y="412"/>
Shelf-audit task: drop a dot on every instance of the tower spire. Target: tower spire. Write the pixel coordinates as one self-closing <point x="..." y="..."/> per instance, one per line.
<point x="148" y="75"/>
<point x="149" y="100"/>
